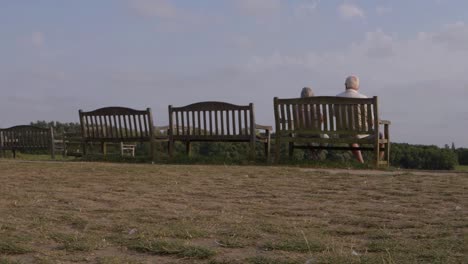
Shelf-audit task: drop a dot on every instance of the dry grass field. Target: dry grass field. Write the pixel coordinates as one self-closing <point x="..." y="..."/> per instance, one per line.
<point x="73" y="212"/>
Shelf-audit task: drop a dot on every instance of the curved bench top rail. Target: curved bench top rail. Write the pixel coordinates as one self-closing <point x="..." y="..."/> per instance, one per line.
<point x="116" y="123"/>
<point x="25" y="127"/>
<point x="115" y="110"/>
<point x="326" y="100"/>
<point x="211" y="106"/>
<point x="212" y="119"/>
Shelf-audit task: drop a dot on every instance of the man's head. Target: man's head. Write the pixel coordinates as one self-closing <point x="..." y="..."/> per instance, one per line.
<point x="306" y="92"/>
<point x="352" y="82"/>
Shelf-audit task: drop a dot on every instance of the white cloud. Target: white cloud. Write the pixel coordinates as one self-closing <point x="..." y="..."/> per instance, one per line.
<point x="154" y="8"/>
<point x="382" y="56"/>
<point x="276" y="60"/>
<point x="242" y="42"/>
<point x="258" y="7"/>
<point x="306" y="8"/>
<point x="350" y="11"/>
<point x="37" y="39"/>
<point x="171" y="18"/>
<point x="421" y="80"/>
<point x="382" y="10"/>
<point x="378" y="44"/>
<point x="454" y="36"/>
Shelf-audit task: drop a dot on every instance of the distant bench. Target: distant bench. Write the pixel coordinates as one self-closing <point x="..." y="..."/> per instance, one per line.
<point x="26" y="137"/>
<point x="304" y="122"/>
<point x="119" y="125"/>
<point x="216" y="122"/>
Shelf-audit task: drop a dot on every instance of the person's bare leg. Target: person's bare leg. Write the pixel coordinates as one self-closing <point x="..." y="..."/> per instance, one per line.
<point x="357" y="153"/>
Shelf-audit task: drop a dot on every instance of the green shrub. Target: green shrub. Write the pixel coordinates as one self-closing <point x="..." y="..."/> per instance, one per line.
<point x="422" y="157"/>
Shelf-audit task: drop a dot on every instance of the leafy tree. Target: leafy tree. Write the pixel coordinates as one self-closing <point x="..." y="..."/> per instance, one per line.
<point x="59" y="127"/>
<point x="422" y="157"/>
<point x="462" y="154"/>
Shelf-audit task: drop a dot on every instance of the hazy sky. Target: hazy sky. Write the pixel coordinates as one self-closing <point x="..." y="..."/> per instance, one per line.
<point x="59" y="56"/>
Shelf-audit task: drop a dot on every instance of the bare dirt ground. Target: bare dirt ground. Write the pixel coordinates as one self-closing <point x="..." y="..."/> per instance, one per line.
<point x="73" y="212"/>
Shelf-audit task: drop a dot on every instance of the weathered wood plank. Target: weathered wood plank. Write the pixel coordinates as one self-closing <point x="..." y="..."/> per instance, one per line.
<point x="26" y="137"/>
<point x="232" y="123"/>
<point x="117" y="124"/>
<point x="343" y="119"/>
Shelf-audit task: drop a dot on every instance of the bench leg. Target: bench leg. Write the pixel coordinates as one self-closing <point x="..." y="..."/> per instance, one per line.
<point x="377" y="154"/>
<point x="104" y="149"/>
<point x="171" y="148"/>
<point x="291" y="149"/>
<point x="277" y="150"/>
<point x="387" y="145"/>
<point x="153" y="155"/>
<point x="267" y="150"/>
<point x="85" y="152"/>
<point x="188" y="148"/>
<point x="252" y="150"/>
<point x="52" y="149"/>
<point x="387" y="153"/>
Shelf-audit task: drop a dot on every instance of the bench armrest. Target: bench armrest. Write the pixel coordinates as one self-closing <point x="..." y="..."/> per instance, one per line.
<point x="267" y="128"/>
<point x="384" y="122"/>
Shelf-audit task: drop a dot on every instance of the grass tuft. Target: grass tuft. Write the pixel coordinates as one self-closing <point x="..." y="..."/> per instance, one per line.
<point x="297" y="245"/>
<point x="269" y="260"/>
<point x="116" y="260"/>
<point x="12" y="248"/>
<point x="176" y="248"/>
<point x="8" y="261"/>
<point x="76" y="242"/>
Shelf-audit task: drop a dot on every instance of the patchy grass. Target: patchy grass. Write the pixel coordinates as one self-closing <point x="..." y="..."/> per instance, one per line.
<point x="297" y="245"/>
<point x="10" y="247"/>
<point x="78" y="242"/>
<point x="117" y="260"/>
<point x="176" y="248"/>
<point x="269" y="260"/>
<point x="8" y="261"/>
<point x="63" y="212"/>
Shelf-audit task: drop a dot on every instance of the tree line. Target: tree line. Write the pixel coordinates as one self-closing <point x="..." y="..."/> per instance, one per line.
<point x="402" y="155"/>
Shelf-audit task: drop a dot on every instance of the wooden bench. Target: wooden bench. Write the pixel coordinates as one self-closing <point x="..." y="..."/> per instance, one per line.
<point x="303" y="122"/>
<point x="216" y="122"/>
<point x="26" y="137"/>
<point x="119" y="125"/>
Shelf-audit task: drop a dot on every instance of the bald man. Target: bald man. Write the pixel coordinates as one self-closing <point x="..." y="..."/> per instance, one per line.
<point x="352" y="91"/>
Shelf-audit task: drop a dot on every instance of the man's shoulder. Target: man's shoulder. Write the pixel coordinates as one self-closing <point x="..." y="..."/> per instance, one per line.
<point x="351" y="94"/>
<point x="342" y="94"/>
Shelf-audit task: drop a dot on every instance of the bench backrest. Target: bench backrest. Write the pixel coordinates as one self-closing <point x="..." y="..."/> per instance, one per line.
<point x="26" y="137"/>
<point x="326" y="115"/>
<point x="212" y="121"/>
<point x="116" y="124"/>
